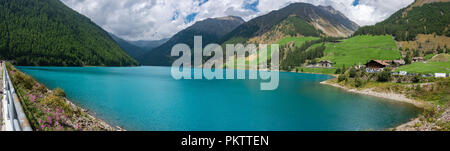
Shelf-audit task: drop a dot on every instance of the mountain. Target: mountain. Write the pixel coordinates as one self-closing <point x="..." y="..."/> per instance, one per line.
<point x="133" y="50"/>
<point x="297" y="19"/>
<point x="421" y="17"/>
<point x="149" y="44"/>
<point x="48" y="33"/>
<point x="211" y="29"/>
<point x="137" y="48"/>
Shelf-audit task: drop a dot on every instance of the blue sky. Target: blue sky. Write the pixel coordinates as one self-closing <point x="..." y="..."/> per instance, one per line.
<point x="190" y="18"/>
<point x="355" y="3"/>
<point x="253" y="6"/>
<point x="157" y="19"/>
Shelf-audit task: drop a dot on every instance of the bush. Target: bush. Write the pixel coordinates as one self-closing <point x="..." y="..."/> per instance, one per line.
<point x="384" y="76"/>
<point x="342" y="78"/>
<point x="416" y="79"/>
<point x="352" y="73"/>
<point x="338" y="71"/>
<point x="358" y="82"/>
<point x="22" y="80"/>
<point x="59" y="92"/>
<point x="40" y="88"/>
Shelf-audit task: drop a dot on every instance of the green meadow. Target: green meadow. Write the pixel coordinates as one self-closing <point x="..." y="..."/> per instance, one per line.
<point x="317" y="70"/>
<point x="360" y="49"/>
<point x="298" y="41"/>
<point x="428" y="67"/>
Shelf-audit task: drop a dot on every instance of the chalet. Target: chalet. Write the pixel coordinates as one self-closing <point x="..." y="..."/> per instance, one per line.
<point x="399" y="62"/>
<point x="376" y="66"/>
<point x="418" y="59"/>
<point x="396" y="63"/>
<point x="324" y="63"/>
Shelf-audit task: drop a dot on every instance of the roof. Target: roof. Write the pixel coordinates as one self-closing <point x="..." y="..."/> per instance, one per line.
<point x="325" y="61"/>
<point x="379" y="62"/>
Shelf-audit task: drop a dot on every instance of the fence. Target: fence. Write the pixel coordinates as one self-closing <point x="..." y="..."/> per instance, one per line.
<point x="13" y="115"/>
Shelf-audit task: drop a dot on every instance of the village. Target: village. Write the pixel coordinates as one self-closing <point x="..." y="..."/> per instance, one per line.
<point x="376" y="66"/>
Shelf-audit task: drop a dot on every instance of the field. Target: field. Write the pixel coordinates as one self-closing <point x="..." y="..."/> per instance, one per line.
<point x="360" y="49"/>
<point x="429" y="67"/>
<point x="317" y="70"/>
<point x="298" y="41"/>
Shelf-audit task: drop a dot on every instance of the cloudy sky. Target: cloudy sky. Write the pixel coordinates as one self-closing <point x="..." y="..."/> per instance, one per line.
<point x="157" y="19"/>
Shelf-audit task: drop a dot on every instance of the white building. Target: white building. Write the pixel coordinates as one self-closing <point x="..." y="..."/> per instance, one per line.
<point x="440" y="75"/>
<point x="403" y="73"/>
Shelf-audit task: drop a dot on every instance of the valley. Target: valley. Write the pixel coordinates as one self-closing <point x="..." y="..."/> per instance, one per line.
<point x="404" y="58"/>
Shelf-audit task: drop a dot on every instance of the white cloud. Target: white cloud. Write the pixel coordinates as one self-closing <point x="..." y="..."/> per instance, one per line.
<point x="157" y="19"/>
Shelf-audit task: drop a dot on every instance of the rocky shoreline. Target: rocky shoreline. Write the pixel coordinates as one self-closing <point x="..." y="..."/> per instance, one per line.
<point x="390" y="96"/>
<point x="439" y="120"/>
<point x="89" y="120"/>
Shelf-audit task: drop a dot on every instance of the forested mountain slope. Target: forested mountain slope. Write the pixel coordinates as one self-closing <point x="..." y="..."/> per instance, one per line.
<point x="48" y="33"/>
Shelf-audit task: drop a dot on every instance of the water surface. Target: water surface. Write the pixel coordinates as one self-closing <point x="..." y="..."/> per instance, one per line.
<point x="148" y="98"/>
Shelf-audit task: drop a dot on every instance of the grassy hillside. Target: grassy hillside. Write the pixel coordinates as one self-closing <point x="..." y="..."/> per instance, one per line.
<point x="360" y="49"/>
<point x="48" y="33"/>
<point x="437" y="64"/>
<point x="429" y="67"/>
<point x="298" y="41"/>
<point x="211" y="30"/>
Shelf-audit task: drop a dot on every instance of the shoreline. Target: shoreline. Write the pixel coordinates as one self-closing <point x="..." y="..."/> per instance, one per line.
<point x="390" y="96"/>
<point x="407" y="126"/>
<point x="102" y="123"/>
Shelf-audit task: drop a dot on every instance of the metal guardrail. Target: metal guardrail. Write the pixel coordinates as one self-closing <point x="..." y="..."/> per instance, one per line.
<point x="14" y="116"/>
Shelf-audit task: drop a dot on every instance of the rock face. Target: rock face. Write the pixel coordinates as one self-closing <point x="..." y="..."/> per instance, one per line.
<point x="343" y="28"/>
<point x="211" y="29"/>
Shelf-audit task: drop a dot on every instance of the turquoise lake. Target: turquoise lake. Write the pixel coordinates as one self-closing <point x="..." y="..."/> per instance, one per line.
<point x="148" y="98"/>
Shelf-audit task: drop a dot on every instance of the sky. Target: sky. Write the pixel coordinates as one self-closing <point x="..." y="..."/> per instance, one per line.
<point x="157" y="19"/>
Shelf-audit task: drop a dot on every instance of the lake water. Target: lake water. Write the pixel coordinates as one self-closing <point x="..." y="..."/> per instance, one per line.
<point x="148" y="98"/>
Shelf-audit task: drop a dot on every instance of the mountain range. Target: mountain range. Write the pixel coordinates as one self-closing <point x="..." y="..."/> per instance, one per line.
<point x="138" y="48"/>
<point x="211" y="30"/>
<point x="297" y="19"/>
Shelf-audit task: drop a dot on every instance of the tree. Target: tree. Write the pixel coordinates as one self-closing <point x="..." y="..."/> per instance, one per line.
<point x="352" y="73"/>
<point x="342" y="77"/>
<point x="343" y="69"/>
<point x="407" y="59"/>
<point x="384" y="76"/>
